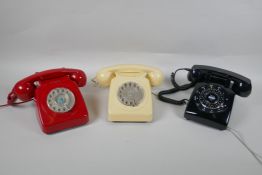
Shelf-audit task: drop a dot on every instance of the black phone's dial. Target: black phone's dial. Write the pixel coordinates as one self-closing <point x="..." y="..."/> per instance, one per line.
<point x="211" y="98"/>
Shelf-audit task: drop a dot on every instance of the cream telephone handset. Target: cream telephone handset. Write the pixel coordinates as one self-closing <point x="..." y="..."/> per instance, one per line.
<point x="130" y="98"/>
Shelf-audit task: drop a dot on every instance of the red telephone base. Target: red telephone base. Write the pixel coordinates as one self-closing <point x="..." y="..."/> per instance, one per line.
<point x="51" y="121"/>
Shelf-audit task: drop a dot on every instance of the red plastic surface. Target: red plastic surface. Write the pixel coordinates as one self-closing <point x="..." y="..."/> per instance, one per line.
<point x="51" y="121"/>
<point x="24" y="89"/>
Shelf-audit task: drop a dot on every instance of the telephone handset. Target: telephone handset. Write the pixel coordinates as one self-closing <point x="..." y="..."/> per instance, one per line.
<point x="212" y="99"/>
<point x="239" y="84"/>
<point x="60" y="104"/>
<point x="130" y="97"/>
<point x="105" y="76"/>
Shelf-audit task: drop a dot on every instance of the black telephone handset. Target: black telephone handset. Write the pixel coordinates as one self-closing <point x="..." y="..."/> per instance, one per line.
<point x="238" y="83"/>
<point x="212" y="100"/>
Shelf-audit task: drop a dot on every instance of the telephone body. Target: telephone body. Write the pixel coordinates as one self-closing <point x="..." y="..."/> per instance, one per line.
<point x="130" y="98"/>
<point x="212" y="99"/>
<point x="59" y="102"/>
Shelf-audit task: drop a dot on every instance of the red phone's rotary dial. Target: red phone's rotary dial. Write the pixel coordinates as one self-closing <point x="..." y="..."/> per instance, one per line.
<point x="60" y="100"/>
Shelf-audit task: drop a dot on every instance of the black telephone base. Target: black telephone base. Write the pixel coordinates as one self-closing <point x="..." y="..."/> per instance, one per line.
<point x="210" y="104"/>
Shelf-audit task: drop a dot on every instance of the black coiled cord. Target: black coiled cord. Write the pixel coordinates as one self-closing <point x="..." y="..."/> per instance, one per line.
<point x="176" y="88"/>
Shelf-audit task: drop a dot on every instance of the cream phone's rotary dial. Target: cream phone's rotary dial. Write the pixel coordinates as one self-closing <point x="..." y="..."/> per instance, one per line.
<point x="60" y="100"/>
<point x="130" y="94"/>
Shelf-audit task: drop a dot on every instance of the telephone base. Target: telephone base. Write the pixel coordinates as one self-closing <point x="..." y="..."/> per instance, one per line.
<point x="51" y="121"/>
<point x="130" y="118"/>
<point x="201" y="107"/>
<point x="124" y="111"/>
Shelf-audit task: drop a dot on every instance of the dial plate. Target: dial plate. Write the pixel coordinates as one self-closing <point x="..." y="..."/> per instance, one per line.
<point x="211" y="98"/>
<point x="60" y="100"/>
<point x="130" y="94"/>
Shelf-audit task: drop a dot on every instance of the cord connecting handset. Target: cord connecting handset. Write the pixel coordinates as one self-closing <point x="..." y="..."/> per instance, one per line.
<point x="212" y="99"/>
<point x="176" y="88"/>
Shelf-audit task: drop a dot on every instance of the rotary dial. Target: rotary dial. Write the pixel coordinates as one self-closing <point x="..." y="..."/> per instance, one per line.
<point x="211" y="98"/>
<point x="60" y="100"/>
<point x="130" y="94"/>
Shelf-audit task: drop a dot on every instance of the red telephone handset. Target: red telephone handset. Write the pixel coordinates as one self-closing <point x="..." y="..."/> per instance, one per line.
<point x="57" y="96"/>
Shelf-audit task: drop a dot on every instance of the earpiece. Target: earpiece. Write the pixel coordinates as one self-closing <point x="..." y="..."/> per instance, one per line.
<point x="79" y="78"/>
<point x="104" y="78"/>
<point x="155" y="78"/>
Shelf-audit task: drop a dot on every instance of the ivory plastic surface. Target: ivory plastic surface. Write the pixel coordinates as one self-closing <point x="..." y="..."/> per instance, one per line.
<point x="116" y="76"/>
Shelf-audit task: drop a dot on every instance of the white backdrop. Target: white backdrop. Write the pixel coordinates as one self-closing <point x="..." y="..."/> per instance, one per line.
<point x="36" y="35"/>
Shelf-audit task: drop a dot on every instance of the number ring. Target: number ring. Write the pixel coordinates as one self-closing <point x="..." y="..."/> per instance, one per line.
<point x="130" y="94"/>
<point x="60" y="100"/>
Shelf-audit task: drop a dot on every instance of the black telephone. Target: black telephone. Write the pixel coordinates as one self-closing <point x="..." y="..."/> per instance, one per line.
<point x="212" y="99"/>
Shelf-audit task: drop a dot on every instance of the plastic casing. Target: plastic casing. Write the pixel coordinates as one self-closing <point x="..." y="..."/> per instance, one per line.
<point x="119" y="112"/>
<point x="37" y="87"/>
<point x="115" y="77"/>
<point x="52" y="122"/>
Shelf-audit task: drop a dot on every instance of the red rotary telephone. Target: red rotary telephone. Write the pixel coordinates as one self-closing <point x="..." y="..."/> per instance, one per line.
<point x="59" y="102"/>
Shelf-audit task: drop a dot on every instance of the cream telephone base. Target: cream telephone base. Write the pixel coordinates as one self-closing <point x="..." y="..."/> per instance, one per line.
<point x="130" y="98"/>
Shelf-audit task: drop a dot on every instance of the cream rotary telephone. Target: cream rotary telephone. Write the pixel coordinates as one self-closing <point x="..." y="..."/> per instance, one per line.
<point x="130" y="98"/>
